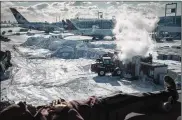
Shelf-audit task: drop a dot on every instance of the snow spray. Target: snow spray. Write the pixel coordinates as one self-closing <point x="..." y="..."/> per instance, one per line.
<point x="132" y="33"/>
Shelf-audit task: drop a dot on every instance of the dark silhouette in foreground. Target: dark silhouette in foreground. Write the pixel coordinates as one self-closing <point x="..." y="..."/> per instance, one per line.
<point x="5" y="63"/>
<point x="118" y="106"/>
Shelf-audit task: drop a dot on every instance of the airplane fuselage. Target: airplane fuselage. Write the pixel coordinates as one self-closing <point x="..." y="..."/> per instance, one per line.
<point x="40" y="26"/>
<point x="98" y="33"/>
<point x="96" y="28"/>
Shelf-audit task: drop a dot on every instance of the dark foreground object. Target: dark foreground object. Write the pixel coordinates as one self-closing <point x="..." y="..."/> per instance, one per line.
<point x="3" y="38"/>
<point x="160" y="105"/>
<point x="173" y="115"/>
<point x="5" y="62"/>
<point x="147" y="115"/>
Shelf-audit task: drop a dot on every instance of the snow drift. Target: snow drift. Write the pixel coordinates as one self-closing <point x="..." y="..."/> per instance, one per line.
<point x="69" y="49"/>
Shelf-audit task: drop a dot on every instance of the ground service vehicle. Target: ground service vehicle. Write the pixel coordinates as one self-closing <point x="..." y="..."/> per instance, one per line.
<point x="105" y="65"/>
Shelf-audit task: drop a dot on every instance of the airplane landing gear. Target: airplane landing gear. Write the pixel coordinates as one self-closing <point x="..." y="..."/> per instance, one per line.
<point x="101" y="38"/>
<point x="113" y="38"/>
<point x="98" y="38"/>
<point x="94" y="38"/>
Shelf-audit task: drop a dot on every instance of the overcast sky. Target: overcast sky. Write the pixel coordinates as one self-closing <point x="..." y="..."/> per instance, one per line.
<point x="48" y="11"/>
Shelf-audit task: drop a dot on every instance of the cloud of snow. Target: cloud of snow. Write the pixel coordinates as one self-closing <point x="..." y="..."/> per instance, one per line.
<point x="132" y="32"/>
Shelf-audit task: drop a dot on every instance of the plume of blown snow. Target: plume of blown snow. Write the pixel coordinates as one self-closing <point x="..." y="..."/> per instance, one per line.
<point x="132" y="33"/>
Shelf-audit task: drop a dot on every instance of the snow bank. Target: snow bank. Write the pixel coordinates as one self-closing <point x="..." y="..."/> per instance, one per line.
<point x="69" y="49"/>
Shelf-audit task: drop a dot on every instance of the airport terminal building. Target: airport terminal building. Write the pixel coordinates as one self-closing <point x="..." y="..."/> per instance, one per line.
<point x="171" y="25"/>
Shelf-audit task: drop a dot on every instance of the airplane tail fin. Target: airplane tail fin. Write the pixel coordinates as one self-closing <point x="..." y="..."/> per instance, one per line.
<point x="20" y="19"/>
<point x="65" y="26"/>
<point x="70" y="25"/>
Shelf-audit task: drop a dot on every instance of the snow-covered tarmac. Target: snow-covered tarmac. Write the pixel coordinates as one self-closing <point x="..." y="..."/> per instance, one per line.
<point x="38" y="81"/>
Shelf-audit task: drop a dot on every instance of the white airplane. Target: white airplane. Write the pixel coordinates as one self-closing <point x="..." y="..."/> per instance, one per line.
<point x="97" y="28"/>
<point x="43" y="26"/>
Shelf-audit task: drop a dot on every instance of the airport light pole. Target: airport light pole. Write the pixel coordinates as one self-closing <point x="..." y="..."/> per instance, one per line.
<point x="100" y="15"/>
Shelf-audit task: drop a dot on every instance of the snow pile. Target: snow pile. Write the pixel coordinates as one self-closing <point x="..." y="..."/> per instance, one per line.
<point x="69" y="49"/>
<point x="103" y="45"/>
<point x="37" y="42"/>
<point x="132" y="33"/>
<point x="70" y="79"/>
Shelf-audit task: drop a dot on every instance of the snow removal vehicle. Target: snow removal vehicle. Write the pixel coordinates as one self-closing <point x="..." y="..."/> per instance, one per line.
<point x="104" y="65"/>
<point x="138" y="67"/>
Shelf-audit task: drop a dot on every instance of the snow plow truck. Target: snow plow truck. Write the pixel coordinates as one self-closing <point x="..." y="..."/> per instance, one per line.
<point x="106" y="64"/>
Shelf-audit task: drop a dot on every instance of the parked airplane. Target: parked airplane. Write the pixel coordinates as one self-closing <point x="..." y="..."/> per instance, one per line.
<point x="97" y="28"/>
<point x="23" y="22"/>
